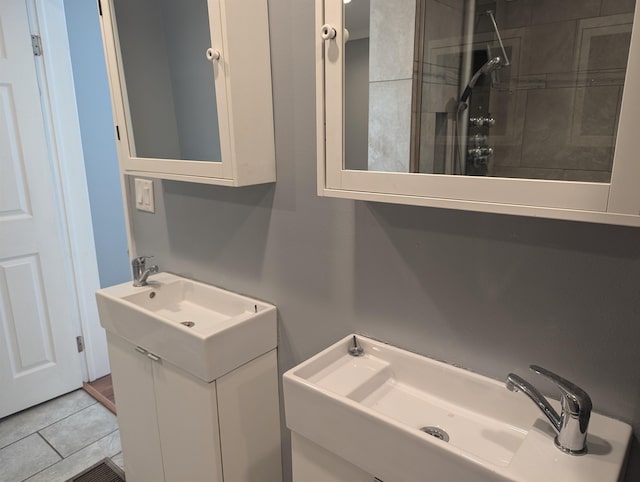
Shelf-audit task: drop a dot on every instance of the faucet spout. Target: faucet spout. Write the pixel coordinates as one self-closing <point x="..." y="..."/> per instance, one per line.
<point x="518" y="384"/>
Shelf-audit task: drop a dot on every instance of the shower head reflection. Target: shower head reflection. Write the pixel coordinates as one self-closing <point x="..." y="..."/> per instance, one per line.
<point x="490" y="66"/>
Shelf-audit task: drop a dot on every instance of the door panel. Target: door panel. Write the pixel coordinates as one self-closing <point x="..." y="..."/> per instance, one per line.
<point x="24" y="317"/>
<point x="38" y="354"/>
<point x="13" y="199"/>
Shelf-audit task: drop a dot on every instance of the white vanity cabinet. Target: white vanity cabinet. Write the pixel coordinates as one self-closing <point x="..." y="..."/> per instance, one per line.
<point x="175" y="427"/>
<point x="388" y="134"/>
<point x="312" y="462"/>
<point x="191" y="89"/>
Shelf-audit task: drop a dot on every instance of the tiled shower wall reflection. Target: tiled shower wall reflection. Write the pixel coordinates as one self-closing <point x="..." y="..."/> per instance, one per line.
<point x="390" y="84"/>
<point x="556" y="107"/>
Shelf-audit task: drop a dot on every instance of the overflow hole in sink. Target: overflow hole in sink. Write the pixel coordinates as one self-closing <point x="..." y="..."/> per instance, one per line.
<point x="152" y="294"/>
<point x="188" y="324"/>
<point x="437" y="433"/>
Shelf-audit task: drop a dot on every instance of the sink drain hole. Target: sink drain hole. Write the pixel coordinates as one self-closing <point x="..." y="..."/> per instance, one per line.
<point x="188" y="324"/>
<point x="437" y="433"/>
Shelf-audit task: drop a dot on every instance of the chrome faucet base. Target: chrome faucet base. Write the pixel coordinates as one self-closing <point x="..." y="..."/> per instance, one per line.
<point x="144" y="282"/>
<point x="567" y="450"/>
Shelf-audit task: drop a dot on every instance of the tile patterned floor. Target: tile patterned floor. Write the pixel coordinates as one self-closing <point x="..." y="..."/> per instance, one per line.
<point x="57" y="439"/>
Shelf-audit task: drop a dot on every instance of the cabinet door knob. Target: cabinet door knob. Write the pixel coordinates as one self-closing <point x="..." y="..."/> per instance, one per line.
<point x="327" y="32"/>
<point x="213" y="55"/>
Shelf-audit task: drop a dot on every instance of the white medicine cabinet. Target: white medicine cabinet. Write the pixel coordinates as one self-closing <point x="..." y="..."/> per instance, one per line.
<point x="483" y="106"/>
<point x="191" y="89"/>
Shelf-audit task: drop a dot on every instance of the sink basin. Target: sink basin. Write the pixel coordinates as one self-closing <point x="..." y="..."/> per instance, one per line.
<point x="400" y="416"/>
<point x="204" y="330"/>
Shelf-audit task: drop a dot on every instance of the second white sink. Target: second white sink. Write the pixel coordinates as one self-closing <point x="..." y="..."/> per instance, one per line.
<point x="205" y="330"/>
<point x="400" y="417"/>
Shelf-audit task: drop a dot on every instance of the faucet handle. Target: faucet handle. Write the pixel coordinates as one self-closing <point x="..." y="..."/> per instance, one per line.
<point x="576" y="412"/>
<point x="574" y="399"/>
<point x="140" y="260"/>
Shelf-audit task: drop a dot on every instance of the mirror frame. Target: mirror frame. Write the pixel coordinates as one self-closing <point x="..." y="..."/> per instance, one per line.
<point x="616" y="202"/>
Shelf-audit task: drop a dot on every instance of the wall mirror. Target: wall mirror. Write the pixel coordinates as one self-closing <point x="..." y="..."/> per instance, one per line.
<point x="168" y="84"/>
<point x="190" y="88"/>
<point x="493" y="105"/>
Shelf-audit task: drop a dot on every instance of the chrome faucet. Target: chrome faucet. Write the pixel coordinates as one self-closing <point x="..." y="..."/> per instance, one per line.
<point x="571" y="425"/>
<point x="140" y="270"/>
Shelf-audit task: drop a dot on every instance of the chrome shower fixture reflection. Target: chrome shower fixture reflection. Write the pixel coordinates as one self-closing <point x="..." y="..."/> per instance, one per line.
<point x="489" y="66"/>
<point x="493" y="64"/>
<point x="505" y="59"/>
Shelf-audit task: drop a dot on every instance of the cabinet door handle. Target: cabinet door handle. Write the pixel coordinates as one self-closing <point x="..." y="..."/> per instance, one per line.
<point x="139" y="349"/>
<point x="327" y="32"/>
<point x="153" y="357"/>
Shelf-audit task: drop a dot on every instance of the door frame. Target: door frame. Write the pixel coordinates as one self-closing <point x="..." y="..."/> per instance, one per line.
<point x="66" y="159"/>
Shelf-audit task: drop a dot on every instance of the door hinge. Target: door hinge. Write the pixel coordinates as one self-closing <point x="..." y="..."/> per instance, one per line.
<point x="80" y="343"/>
<point x="36" y="43"/>
<point x="118" y="132"/>
<point x="100" y="7"/>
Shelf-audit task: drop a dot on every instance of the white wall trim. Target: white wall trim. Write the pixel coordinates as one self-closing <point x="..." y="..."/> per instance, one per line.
<point x="47" y="19"/>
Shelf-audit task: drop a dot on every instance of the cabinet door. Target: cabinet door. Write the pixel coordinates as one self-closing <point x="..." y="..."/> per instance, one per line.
<point x="248" y="404"/>
<point x="133" y="388"/>
<point x="191" y="89"/>
<point x="393" y="126"/>
<point x="188" y="425"/>
<point x="312" y="462"/>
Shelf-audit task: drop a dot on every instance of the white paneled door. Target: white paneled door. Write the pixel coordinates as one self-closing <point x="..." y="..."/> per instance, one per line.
<point x="38" y="354"/>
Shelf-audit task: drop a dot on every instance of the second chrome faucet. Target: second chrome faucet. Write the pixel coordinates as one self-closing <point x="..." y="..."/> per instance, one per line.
<point x="572" y="423"/>
<point x="140" y="270"/>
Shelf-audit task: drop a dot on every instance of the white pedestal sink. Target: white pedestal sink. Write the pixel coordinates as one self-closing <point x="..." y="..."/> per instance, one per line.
<point x="195" y="379"/>
<point x="400" y="417"/>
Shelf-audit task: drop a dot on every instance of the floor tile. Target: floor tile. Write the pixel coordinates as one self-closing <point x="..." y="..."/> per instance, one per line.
<point x="118" y="459"/>
<point x="107" y="446"/>
<point x="24" y="458"/>
<point x="18" y="426"/>
<point x="80" y="429"/>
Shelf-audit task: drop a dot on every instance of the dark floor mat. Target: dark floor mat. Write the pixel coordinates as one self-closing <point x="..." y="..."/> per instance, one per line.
<point x="103" y="471"/>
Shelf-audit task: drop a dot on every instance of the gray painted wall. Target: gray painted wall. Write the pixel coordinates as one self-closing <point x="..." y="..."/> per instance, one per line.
<point x="98" y="141"/>
<point x="491" y="293"/>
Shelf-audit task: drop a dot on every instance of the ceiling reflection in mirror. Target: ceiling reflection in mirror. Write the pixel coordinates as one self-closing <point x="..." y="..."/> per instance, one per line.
<point x="168" y="83"/>
<point x="505" y="88"/>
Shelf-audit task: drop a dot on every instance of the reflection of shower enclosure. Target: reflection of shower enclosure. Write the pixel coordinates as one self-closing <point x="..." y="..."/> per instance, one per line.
<point x="551" y="114"/>
<point x="468" y="128"/>
<point x="507" y="88"/>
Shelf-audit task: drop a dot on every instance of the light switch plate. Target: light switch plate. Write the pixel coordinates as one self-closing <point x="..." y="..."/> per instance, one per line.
<point x="144" y="195"/>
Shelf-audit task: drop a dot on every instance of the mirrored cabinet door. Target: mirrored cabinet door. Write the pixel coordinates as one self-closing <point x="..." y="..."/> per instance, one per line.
<point x="191" y="89"/>
<point x="504" y="106"/>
